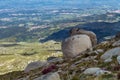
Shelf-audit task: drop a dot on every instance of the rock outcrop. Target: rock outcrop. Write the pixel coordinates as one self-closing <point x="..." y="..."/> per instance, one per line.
<point x="78" y="31"/>
<point x="76" y="44"/>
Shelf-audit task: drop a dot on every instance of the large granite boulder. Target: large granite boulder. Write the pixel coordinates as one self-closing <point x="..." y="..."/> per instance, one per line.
<point x="92" y="35"/>
<point x="74" y="45"/>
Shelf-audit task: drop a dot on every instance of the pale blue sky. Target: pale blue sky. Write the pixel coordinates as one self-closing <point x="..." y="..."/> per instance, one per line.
<point x="56" y="3"/>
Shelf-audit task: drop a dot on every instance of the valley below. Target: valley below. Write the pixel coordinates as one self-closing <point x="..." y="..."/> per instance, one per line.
<point x="41" y="25"/>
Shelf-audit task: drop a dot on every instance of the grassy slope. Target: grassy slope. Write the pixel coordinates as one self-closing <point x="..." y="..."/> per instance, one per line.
<point x="16" y="57"/>
<point x="73" y="68"/>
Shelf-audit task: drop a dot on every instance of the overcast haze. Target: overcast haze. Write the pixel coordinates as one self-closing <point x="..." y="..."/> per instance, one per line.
<point x="57" y="3"/>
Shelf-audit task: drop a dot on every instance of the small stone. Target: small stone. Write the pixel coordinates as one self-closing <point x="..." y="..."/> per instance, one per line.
<point x="108" y="60"/>
<point x="101" y="72"/>
<point x="93" y="52"/>
<point x="117" y="43"/>
<point x="110" y="53"/>
<point x="91" y="71"/>
<point x="118" y="59"/>
<point x="96" y="71"/>
<point x="109" y="37"/>
<point x="104" y="42"/>
<point x="49" y="76"/>
<point x="100" y="50"/>
<point x="54" y="59"/>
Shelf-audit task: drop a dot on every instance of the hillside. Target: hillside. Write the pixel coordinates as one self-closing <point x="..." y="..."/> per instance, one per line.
<point x="76" y="68"/>
<point x="59" y="39"/>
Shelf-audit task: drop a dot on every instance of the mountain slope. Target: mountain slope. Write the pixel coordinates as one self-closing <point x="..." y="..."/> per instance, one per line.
<point x="73" y="69"/>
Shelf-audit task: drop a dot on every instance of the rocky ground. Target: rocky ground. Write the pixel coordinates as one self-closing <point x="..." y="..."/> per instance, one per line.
<point x="102" y="63"/>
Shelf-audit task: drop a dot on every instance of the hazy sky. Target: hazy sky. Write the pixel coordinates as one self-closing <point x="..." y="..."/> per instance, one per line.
<point x="55" y="3"/>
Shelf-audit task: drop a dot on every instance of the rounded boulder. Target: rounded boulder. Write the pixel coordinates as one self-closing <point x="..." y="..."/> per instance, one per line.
<point x="74" y="45"/>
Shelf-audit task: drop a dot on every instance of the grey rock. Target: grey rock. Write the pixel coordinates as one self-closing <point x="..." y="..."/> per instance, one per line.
<point x="35" y="65"/>
<point x="95" y="71"/>
<point x="109" y="37"/>
<point x="108" y="60"/>
<point x="110" y="53"/>
<point x="100" y="50"/>
<point x="117" y="43"/>
<point x="91" y="70"/>
<point x="105" y="42"/>
<point x="93" y="52"/>
<point x="75" y="45"/>
<point x="92" y="35"/>
<point x="118" y="59"/>
<point x="54" y="59"/>
<point x="49" y="76"/>
<point x="101" y="72"/>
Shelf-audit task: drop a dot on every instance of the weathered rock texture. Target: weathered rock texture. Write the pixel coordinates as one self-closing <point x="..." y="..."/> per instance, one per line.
<point x="92" y="35"/>
<point x="76" y="44"/>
